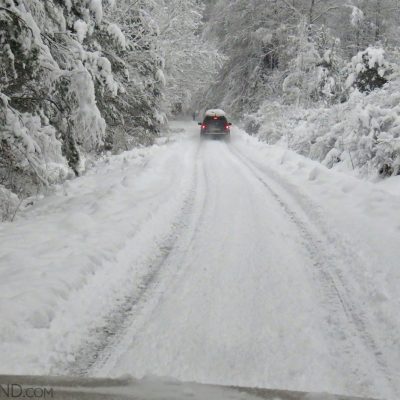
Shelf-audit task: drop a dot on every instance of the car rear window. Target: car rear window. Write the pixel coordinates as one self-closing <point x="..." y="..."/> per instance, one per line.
<point x="216" y="122"/>
<point x="209" y="119"/>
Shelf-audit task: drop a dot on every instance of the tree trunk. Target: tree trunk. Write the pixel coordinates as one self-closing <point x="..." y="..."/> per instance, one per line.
<point x="378" y="10"/>
<point x="311" y="12"/>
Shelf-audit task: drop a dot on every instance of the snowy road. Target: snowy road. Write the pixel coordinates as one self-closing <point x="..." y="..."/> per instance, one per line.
<point x="231" y="263"/>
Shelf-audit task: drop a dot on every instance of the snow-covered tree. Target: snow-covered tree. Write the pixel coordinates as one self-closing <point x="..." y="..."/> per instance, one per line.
<point x="130" y="40"/>
<point x="190" y="61"/>
<point x="314" y="75"/>
<point x="76" y="77"/>
<point x="255" y="39"/>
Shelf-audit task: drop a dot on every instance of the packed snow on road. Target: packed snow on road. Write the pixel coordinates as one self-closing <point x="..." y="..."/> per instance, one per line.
<point x="230" y="263"/>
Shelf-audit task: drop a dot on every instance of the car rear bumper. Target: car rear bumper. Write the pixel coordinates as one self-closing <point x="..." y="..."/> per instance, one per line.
<point x="215" y="133"/>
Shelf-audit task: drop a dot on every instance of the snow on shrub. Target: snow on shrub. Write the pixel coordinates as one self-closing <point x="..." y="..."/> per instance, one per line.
<point x="96" y="7"/>
<point x="117" y="35"/>
<point x="81" y="29"/>
<point x="101" y="70"/>
<point x="359" y="130"/>
<point x="84" y="117"/>
<point x="9" y="203"/>
<point x="369" y="70"/>
<point x="30" y="150"/>
<point x="313" y="75"/>
<point x="362" y="134"/>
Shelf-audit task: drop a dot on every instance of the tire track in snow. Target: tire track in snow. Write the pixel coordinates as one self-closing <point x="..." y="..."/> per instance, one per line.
<point x="323" y="248"/>
<point x="107" y="337"/>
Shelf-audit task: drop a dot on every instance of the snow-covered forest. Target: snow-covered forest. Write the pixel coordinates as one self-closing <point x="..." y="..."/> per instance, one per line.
<point x="79" y="78"/>
<point x="82" y="77"/>
<point x="319" y="76"/>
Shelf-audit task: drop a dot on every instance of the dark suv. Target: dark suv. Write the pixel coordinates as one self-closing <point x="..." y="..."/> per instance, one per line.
<point x="215" y="124"/>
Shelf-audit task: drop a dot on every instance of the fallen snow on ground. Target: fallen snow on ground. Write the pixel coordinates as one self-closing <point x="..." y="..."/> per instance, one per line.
<point x="68" y="258"/>
<point x="232" y="263"/>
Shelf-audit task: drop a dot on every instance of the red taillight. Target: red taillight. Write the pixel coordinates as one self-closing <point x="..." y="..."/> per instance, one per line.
<point x="204" y="126"/>
<point x="227" y="127"/>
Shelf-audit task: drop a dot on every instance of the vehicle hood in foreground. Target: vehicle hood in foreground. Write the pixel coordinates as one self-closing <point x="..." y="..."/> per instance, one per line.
<point x="66" y="388"/>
